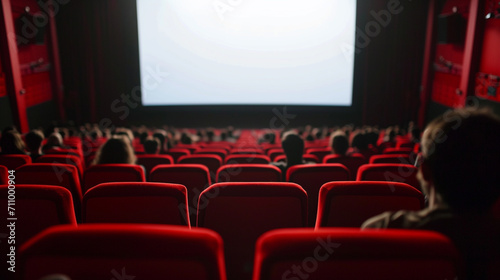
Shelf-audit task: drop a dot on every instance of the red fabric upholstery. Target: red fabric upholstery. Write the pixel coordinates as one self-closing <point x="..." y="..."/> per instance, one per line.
<point x="4" y="175"/>
<point x="305" y="157"/>
<point x="247" y="159"/>
<point x="311" y="177"/>
<point x="403" y="173"/>
<point x="124" y="251"/>
<point x="273" y="153"/>
<point x="195" y="177"/>
<point x="212" y="151"/>
<point x="349" y="204"/>
<point x="352" y="162"/>
<point x="37" y="207"/>
<point x="392" y="158"/>
<point x="136" y="202"/>
<point x="176" y="153"/>
<point x="213" y="162"/>
<point x="14" y="161"/>
<point x="319" y="152"/>
<point x="105" y="173"/>
<point x="63" y="175"/>
<point x="248" y="173"/>
<point x="246" y="151"/>
<point x="353" y="254"/>
<point x="150" y="161"/>
<point x="64" y="159"/>
<point x="241" y="212"/>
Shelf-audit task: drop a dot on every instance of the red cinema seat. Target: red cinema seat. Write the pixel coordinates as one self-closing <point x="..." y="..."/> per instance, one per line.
<point x="246" y="151"/>
<point x="319" y="152"/>
<point x="351" y="254"/>
<point x="63" y="175"/>
<point x="248" y="173"/>
<point x="352" y="162"/>
<point x="150" y="161"/>
<point x="136" y="202"/>
<point x="241" y="212"/>
<point x="305" y="157"/>
<point x="36" y="208"/>
<point x="105" y="173"/>
<point x="403" y="173"/>
<point x="392" y="158"/>
<point x="195" y="177"/>
<point x="205" y="151"/>
<point x="247" y="159"/>
<point x="349" y="204"/>
<point x="176" y="153"/>
<point x="311" y="177"/>
<point x="212" y="162"/>
<point x="191" y="147"/>
<point x="4" y="175"/>
<point x="124" y="251"/>
<point x="388" y="151"/>
<point x="64" y="159"/>
<point x="12" y="162"/>
<point x="273" y="153"/>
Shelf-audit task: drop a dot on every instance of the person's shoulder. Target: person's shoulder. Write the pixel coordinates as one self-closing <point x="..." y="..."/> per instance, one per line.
<point x="404" y="219"/>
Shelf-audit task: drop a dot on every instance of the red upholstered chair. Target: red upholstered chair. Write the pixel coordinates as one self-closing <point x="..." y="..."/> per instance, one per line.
<point x="241" y="212"/>
<point x="403" y="173"/>
<point x="352" y="162"/>
<point x="64" y="159"/>
<point x="191" y="147"/>
<point x="150" y="161"/>
<point x="349" y="204"/>
<point x="319" y="152"/>
<point x="124" y="251"/>
<point x="195" y="177"/>
<point x="63" y="175"/>
<point x="213" y="162"/>
<point x="211" y="151"/>
<point x="311" y="177"/>
<point x="36" y="208"/>
<point x="355" y="255"/>
<point x="4" y="175"/>
<point x="247" y="159"/>
<point x="398" y="151"/>
<point x="273" y="153"/>
<point x="105" y="173"/>
<point x="392" y="158"/>
<point x="136" y="202"/>
<point x="14" y="161"/>
<point x="176" y="153"/>
<point x="248" y="173"/>
<point x="246" y="151"/>
<point x="305" y="157"/>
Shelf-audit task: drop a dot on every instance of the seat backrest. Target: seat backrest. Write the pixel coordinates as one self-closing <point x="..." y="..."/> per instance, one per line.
<point x="63" y="175"/>
<point x="352" y="162"/>
<point x="212" y="151"/>
<point x="392" y="158"/>
<point x="241" y="212"/>
<point x="311" y="177"/>
<point x="4" y="175"/>
<point x="136" y="202"/>
<point x="150" y="161"/>
<point x="248" y="173"/>
<point x="247" y="159"/>
<point x="354" y="254"/>
<point x="104" y="173"/>
<point x="12" y="162"/>
<point x="349" y="204"/>
<point x="176" y="153"/>
<point x="195" y="177"/>
<point x="212" y="162"/>
<point x="404" y="173"/>
<point x="273" y="153"/>
<point x="124" y="251"/>
<point x="64" y="159"/>
<point x="305" y="157"/>
<point x="319" y="152"/>
<point x="246" y="151"/>
<point x="36" y="208"/>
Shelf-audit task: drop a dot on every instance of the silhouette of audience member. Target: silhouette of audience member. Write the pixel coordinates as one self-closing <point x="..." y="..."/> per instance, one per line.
<point x="161" y="136"/>
<point x="11" y="143"/>
<point x="116" y="150"/>
<point x="54" y="142"/>
<point x="293" y="146"/>
<point x="339" y="143"/>
<point x="460" y="175"/>
<point x="34" y="141"/>
<point x="151" y="146"/>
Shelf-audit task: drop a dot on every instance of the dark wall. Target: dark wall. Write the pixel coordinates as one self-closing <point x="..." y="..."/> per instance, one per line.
<point x="6" y="112"/>
<point x="99" y="51"/>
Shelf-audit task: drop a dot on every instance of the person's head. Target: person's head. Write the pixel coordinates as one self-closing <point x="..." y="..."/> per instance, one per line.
<point x="161" y="136"/>
<point x="390" y="134"/>
<point x="116" y="150"/>
<point x="34" y="141"/>
<point x="151" y="145"/>
<point x="186" y="139"/>
<point x="339" y="143"/>
<point x="415" y="134"/>
<point x="293" y="145"/>
<point x="360" y="141"/>
<point x="12" y="143"/>
<point x="54" y="140"/>
<point x="461" y="159"/>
